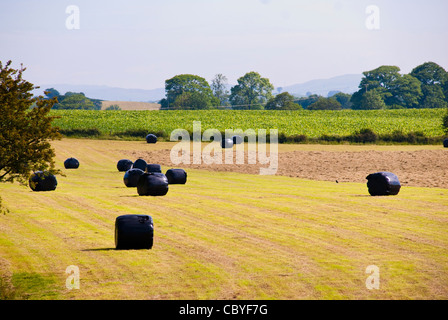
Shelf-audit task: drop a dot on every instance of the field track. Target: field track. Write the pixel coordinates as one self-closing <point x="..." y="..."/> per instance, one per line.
<point x="225" y="234"/>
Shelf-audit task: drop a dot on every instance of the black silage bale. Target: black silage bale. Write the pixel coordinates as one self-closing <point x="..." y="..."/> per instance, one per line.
<point x="152" y="184"/>
<point x="71" y="163"/>
<point x="152" y="167"/>
<point x="43" y="181"/>
<point x="151" y="138"/>
<point x="124" y="165"/>
<point x="226" y="143"/>
<point x="134" y="231"/>
<point x="383" y="184"/>
<point x="176" y="176"/>
<point x="139" y="164"/>
<point x="131" y="177"/>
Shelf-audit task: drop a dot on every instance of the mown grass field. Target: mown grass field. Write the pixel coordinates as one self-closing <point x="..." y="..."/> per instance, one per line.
<point x="220" y="236"/>
<point x="312" y="124"/>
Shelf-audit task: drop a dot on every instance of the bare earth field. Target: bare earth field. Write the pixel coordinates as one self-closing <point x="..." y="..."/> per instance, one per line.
<point x="131" y="105"/>
<point x="414" y="165"/>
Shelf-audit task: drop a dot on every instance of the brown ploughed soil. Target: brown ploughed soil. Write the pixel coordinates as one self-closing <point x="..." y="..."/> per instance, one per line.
<point x="418" y="166"/>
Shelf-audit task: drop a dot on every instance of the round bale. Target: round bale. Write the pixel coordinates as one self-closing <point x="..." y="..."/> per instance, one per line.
<point x="237" y="139"/>
<point x="176" y="176"/>
<point x="152" y="167"/>
<point x="124" y="165"/>
<point x="71" y="163"/>
<point x="139" y="164"/>
<point x="131" y="177"/>
<point x="445" y="143"/>
<point x="383" y="184"/>
<point x="43" y="181"/>
<point x="134" y="231"/>
<point x="151" y="138"/>
<point x="226" y="143"/>
<point x="152" y="184"/>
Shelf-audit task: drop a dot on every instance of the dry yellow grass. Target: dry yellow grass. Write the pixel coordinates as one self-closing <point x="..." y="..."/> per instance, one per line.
<point x="131" y="105"/>
<point x="221" y="236"/>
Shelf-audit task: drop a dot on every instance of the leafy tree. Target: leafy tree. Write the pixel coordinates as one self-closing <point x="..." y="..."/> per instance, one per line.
<point x="405" y="91"/>
<point x="179" y="84"/>
<point x="343" y="99"/>
<point x="251" y="92"/>
<point x="282" y="101"/>
<point x="381" y="80"/>
<point x="325" y="104"/>
<point x="51" y="93"/>
<point x="219" y="88"/>
<point x="113" y="107"/>
<point x="72" y="101"/>
<point x="434" y="80"/>
<point x="25" y="133"/>
<point x="308" y="100"/>
<point x="371" y="100"/>
<point x="445" y="122"/>
<point x="191" y="100"/>
<point x="430" y="73"/>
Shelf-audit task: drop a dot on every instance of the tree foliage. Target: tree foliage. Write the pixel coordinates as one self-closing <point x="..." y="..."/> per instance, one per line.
<point x="25" y="133"/>
<point x="251" y="92"/>
<point x="282" y="101"/>
<point x="72" y="100"/>
<point x="219" y="88"/>
<point x="191" y="89"/>
<point x="424" y="87"/>
<point x="325" y="104"/>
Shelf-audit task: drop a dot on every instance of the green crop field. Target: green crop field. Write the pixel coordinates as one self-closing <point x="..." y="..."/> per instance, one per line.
<point x="312" y="124"/>
<point x="222" y="235"/>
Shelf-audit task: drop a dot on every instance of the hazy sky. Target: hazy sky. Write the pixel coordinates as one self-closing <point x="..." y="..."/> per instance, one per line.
<point x="140" y="44"/>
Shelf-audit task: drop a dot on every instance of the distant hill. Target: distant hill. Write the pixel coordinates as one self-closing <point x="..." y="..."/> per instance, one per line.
<point x="107" y="93"/>
<point x="346" y="83"/>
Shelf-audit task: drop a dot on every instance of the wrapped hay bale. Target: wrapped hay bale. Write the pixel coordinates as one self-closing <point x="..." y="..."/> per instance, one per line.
<point x="237" y="139"/>
<point x="43" y="181"/>
<point x="139" y="164"/>
<point x="151" y="167"/>
<point x="176" y="176"/>
<point x="151" y="138"/>
<point x="71" y="163"/>
<point x="445" y="143"/>
<point x="226" y="143"/>
<point x="131" y="177"/>
<point x="383" y="184"/>
<point x="152" y="184"/>
<point x="134" y="231"/>
<point x="124" y="165"/>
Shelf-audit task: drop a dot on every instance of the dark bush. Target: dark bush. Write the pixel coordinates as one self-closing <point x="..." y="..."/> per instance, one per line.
<point x="131" y="177"/>
<point x="151" y="138"/>
<point x="124" y="165"/>
<point x="71" y="163"/>
<point x="139" y="164"/>
<point x="152" y="184"/>
<point x="43" y="181"/>
<point x="176" y="176"/>
<point x="152" y="167"/>
<point x="134" y="232"/>
<point x="383" y="184"/>
<point x="364" y="136"/>
<point x="80" y="132"/>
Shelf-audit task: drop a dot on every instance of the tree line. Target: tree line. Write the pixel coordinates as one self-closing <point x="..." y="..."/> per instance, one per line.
<point x="426" y="86"/>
